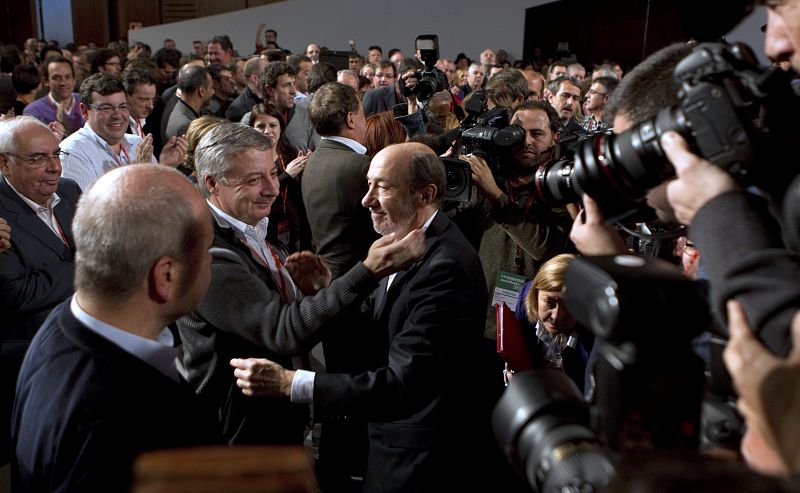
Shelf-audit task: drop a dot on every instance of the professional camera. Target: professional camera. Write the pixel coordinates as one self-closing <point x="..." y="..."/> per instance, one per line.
<point x="431" y="80"/>
<point x="485" y="133"/>
<point x="647" y="383"/>
<point x="722" y="90"/>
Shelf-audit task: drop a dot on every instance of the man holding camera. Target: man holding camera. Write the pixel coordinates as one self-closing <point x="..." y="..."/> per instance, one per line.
<point x="385" y="98"/>
<point x="513" y="232"/>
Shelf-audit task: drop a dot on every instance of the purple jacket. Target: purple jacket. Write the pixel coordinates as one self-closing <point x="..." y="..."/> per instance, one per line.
<point x="44" y="110"/>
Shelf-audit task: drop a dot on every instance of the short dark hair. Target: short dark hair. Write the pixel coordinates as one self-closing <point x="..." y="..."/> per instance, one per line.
<point x="609" y="83"/>
<point x="392" y="52"/>
<point x="409" y="63"/>
<point x="329" y="107"/>
<point x="507" y="86"/>
<point x="25" y="78"/>
<point x="47" y="48"/>
<point x="552" y="114"/>
<point x="137" y="77"/>
<point x="101" y="57"/>
<point x="191" y="78"/>
<point x="375" y="47"/>
<point x="216" y="69"/>
<point x="273" y="70"/>
<point x="223" y="41"/>
<point x="165" y="56"/>
<point x="57" y="59"/>
<point x="10" y="57"/>
<point x="295" y="60"/>
<point x="272" y="31"/>
<point x="555" y="84"/>
<point x="557" y="63"/>
<point x="649" y="87"/>
<point x="356" y="56"/>
<point x="102" y="84"/>
<point x="387" y="64"/>
<point x="320" y="74"/>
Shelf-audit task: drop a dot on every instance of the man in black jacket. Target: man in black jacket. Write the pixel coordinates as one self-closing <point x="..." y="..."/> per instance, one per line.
<point x="100" y="383"/>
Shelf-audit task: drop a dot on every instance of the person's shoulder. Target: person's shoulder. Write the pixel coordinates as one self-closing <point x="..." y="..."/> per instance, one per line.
<point x="69" y="186"/>
<point x="76" y="141"/>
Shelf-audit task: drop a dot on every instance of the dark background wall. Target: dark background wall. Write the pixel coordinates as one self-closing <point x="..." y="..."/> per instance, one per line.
<point x="599" y="30"/>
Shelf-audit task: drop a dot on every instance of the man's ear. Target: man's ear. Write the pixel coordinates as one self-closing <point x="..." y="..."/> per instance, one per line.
<point x="84" y="112"/>
<point x="556" y="136"/>
<point x="428" y="193"/>
<point x="162" y="280"/>
<point x="211" y="184"/>
<point x="267" y="92"/>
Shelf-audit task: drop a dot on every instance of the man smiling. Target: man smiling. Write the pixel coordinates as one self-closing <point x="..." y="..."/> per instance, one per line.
<point x="102" y="144"/>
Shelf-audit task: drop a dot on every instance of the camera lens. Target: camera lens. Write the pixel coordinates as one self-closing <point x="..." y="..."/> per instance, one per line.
<point x="554" y="184"/>
<point x="425" y="88"/>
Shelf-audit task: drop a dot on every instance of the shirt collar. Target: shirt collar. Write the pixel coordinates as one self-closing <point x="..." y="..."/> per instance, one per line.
<point x="352" y="144"/>
<point x="52" y="202"/>
<point x="157" y="353"/>
<point x="71" y="103"/>
<point x="256" y="234"/>
<point x="87" y="129"/>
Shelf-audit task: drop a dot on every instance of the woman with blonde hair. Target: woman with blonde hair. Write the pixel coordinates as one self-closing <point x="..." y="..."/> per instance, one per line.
<point x="197" y="129"/>
<point x="555" y="339"/>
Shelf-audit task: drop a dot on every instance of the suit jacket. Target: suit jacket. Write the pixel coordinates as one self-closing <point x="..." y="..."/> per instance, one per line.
<point x="429" y="404"/>
<point x="179" y="120"/>
<point x="334" y="182"/>
<point x="380" y="99"/>
<point x="85" y="409"/>
<point x="243" y="315"/>
<point x="243" y="103"/>
<point x="36" y="274"/>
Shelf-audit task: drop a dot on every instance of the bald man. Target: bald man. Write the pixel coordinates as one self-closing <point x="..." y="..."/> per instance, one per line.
<point x="428" y="401"/>
<point x="100" y="384"/>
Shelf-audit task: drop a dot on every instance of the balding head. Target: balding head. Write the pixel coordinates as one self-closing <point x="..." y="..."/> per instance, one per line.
<point x="406" y="186"/>
<point x="163" y="217"/>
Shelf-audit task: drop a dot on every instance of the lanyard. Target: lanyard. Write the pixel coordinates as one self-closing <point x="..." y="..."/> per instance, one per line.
<point x="519" y="264"/>
<point x="116" y="158"/>
<point x="277" y="277"/>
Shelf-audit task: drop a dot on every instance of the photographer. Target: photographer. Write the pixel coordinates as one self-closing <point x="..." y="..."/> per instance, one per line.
<point x="386" y="97"/>
<point x="744" y="256"/>
<point x="512" y="232"/>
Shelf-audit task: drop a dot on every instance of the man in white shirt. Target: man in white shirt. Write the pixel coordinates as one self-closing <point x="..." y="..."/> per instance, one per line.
<point x="100" y="383"/>
<point x="102" y="144"/>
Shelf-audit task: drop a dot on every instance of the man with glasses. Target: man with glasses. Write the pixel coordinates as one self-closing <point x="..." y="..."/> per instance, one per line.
<point x="36" y="272"/>
<point x="595" y="103"/>
<point x="102" y="144"/>
<point x="388" y="93"/>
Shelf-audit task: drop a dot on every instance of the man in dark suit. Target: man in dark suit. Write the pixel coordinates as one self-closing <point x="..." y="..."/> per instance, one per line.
<point x="385" y="97"/>
<point x="260" y="302"/>
<point x="341" y="233"/>
<point x="428" y="404"/>
<point x="36" y="273"/>
<point x="100" y="385"/>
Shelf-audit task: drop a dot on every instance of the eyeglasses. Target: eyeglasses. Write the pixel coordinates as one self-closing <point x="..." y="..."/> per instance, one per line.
<point x="592" y="91"/>
<point x="381" y="75"/>
<point x="106" y="109"/>
<point x="39" y="160"/>
<point x="118" y="64"/>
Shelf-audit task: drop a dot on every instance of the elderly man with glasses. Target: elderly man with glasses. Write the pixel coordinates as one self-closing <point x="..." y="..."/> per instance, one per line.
<point x="102" y="144"/>
<point x="36" y="272"/>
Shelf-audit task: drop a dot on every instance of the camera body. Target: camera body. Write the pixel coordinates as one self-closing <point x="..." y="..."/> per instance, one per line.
<point x="721" y="92"/>
<point x="431" y="80"/>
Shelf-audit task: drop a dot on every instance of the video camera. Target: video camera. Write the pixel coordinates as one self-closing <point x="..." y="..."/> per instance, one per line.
<point x="722" y="90"/>
<point x="647" y="383"/>
<point x="485" y="133"/>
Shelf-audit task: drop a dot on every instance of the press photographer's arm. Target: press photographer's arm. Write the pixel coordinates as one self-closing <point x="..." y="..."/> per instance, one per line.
<point x="744" y="256"/>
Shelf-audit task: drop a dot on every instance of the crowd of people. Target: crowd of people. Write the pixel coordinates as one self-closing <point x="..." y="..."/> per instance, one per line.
<point x="178" y="232"/>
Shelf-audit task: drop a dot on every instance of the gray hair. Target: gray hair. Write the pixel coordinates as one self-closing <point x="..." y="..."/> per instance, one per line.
<point x="9" y="131"/>
<point x="128" y="220"/>
<point x="340" y="74"/>
<point x="475" y="66"/>
<point x="215" y="154"/>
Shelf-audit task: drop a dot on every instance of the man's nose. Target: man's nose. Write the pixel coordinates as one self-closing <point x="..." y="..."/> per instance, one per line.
<point x="777" y="44"/>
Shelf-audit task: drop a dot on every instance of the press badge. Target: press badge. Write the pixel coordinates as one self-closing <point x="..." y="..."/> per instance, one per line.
<point x="507" y="287"/>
